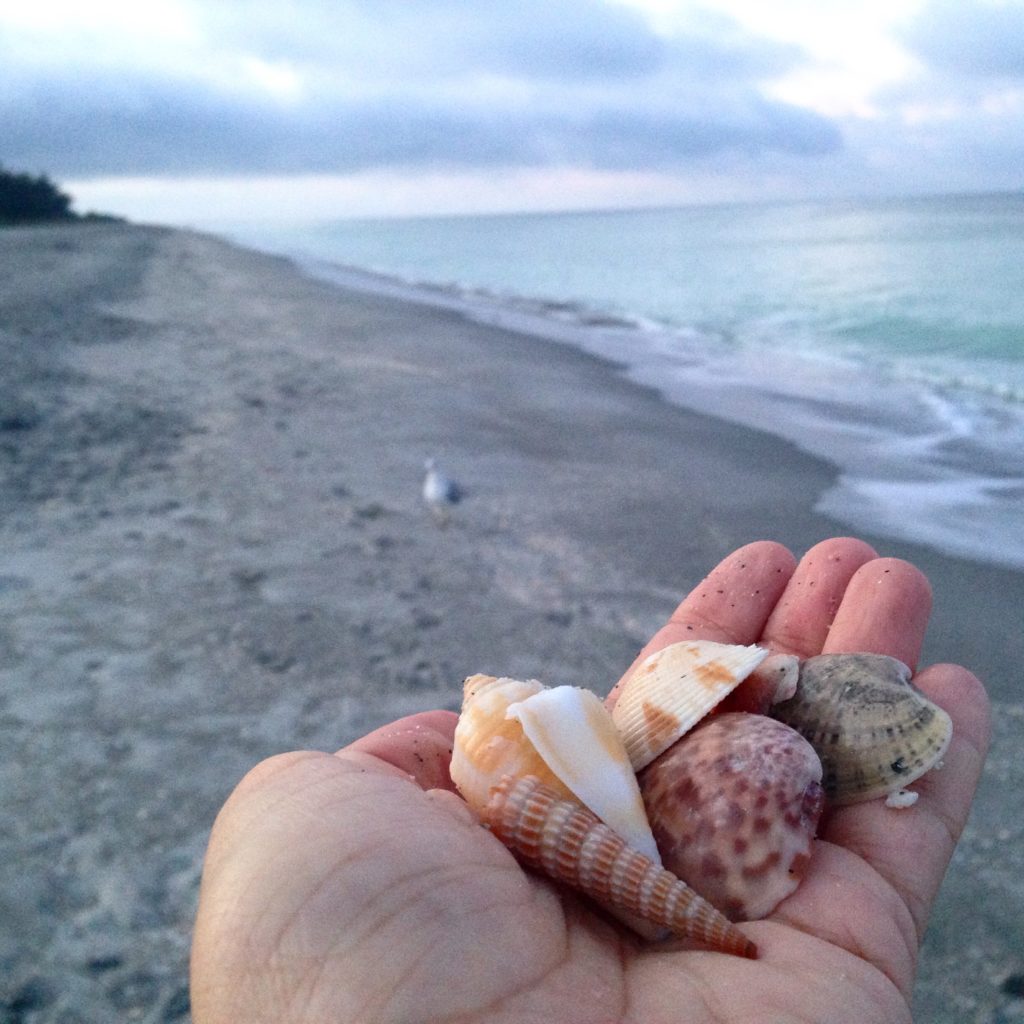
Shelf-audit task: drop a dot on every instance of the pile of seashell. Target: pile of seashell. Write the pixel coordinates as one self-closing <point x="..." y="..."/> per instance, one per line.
<point x="692" y="802"/>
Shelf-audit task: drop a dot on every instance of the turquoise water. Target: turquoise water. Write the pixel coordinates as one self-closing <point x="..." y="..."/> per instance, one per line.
<point x="885" y="335"/>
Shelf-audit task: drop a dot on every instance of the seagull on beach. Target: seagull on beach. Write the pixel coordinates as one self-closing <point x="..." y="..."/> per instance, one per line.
<point x="440" y="492"/>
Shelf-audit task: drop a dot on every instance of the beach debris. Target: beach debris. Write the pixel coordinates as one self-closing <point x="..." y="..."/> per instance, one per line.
<point x="734" y="807"/>
<point x="673" y="689"/>
<point x="440" y="492"/>
<point x="901" y="798"/>
<point x="874" y="731"/>
<point x="530" y="803"/>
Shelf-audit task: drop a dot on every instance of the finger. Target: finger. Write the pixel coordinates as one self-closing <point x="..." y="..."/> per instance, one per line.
<point x="419" y="746"/>
<point x="884" y="611"/>
<point x="911" y="848"/>
<point x="731" y="604"/>
<point x="800" y="622"/>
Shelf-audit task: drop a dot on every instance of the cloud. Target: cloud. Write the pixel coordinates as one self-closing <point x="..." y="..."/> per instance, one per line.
<point x="279" y="87"/>
<point x="971" y="38"/>
<point x="94" y="124"/>
<point x="395" y="40"/>
<point x="167" y="127"/>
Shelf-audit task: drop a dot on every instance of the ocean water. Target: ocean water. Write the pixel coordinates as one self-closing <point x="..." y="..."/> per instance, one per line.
<point x="886" y="336"/>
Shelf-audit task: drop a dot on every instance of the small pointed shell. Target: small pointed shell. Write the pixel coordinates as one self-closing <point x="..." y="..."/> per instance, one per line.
<point x="488" y="744"/>
<point x="574" y="733"/>
<point x="874" y="732"/>
<point x="673" y="689"/>
<point x="568" y="843"/>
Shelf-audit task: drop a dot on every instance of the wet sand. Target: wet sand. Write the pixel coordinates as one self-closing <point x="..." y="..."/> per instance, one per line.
<point x="213" y="549"/>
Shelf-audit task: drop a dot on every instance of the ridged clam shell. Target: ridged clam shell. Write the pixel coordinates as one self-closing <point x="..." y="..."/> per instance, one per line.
<point x="574" y="733"/>
<point x="873" y="730"/>
<point x="734" y="806"/>
<point x="673" y="689"/>
<point x="568" y="843"/>
<point x="488" y="744"/>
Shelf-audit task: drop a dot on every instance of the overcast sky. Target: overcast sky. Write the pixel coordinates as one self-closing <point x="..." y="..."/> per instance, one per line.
<point x="183" y="110"/>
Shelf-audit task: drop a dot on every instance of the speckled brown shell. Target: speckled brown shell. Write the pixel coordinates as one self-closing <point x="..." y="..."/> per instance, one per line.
<point x="567" y="843"/>
<point x="874" y="732"/>
<point x="734" y="807"/>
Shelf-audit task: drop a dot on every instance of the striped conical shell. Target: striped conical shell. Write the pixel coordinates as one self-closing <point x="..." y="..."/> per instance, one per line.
<point x="569" y="844"/>
<point x="672" y="690"/>
<point x="874" y="732"/>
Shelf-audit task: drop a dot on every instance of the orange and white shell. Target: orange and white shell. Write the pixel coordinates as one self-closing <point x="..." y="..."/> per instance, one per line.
<point x="490" y="744"/>
<point x="668" y="693"/>
<point x="563" y="736"/>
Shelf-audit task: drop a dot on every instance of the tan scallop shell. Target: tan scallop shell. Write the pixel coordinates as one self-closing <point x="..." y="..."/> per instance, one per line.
<point x="673" y="689"/>
<point x="873" y="730"/>
<point x="568" y="843"/>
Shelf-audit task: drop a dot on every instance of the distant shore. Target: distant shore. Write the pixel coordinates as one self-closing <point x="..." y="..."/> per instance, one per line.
<point x="212" y="549"/>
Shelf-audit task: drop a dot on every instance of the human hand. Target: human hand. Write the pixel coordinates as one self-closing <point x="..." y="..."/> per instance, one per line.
<point x="357" y="887"/>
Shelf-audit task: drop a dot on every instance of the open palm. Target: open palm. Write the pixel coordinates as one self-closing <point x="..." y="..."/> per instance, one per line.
<point x="356" y="887"/>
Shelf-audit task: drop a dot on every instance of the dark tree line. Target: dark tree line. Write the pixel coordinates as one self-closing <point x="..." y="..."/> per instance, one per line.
<point x="25" y="199"/>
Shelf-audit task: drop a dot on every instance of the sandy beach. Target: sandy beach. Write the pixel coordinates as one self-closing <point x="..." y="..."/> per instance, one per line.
<point x="213" y="549"/>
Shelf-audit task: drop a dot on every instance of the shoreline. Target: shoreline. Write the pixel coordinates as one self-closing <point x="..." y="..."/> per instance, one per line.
<point x="901" y="431"/>
<point x="945" y="643"/>
<point x="213" y="549"/>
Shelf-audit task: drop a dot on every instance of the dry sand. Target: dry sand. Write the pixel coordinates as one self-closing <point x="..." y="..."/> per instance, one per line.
<point x="212" y="549"/>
